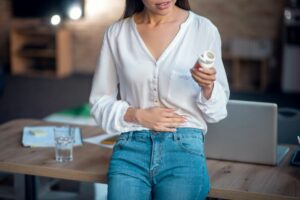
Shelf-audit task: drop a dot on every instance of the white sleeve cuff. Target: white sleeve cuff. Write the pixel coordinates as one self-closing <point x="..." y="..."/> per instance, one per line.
<point x="214" y="95"/>
<point x="127" y="125"/>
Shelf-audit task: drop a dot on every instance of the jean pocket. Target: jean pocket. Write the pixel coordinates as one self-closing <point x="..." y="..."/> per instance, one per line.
<point x="191" y="145"/>
<point x="119" y="143"/>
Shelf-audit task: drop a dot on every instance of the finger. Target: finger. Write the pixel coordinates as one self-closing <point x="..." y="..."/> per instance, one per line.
<point x="203" y="75"/>
<point x="208" y="71"/>
<point x="201" y="81"/>
<point x="172" y="114"/>
<point x="177" y="120"/>
<point x="204" y="84"/>
<point x="170" y="110"/>
<point x="172" y="125"/>
<point x="210" y="77"/>
<point x="165" y="129"/>
<point x="169" y="130"/>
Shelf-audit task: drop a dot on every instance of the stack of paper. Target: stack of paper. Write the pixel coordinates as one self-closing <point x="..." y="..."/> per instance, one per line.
<point x="104" y="140"/>
<point x="43" y="136"/>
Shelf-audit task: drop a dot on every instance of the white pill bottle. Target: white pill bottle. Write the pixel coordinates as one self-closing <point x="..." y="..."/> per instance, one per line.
<point x="206" y="59"/>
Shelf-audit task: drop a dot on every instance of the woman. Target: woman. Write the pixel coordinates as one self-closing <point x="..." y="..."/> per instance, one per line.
<point x="165" y="101"/>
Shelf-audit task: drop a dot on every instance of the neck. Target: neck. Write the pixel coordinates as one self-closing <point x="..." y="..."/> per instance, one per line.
<point x="151" y="18"/>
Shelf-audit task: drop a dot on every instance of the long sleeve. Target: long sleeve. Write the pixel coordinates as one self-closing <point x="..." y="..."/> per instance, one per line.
<point x="214" y="108"/>
<point x="125" y="61"/>
<point x="107" y="111"/>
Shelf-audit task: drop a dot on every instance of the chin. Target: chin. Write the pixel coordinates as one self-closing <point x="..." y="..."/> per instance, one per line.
<point x="163" y="12"/>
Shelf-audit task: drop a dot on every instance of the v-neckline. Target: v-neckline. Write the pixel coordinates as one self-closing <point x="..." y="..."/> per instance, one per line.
<point x="169" y="46"/>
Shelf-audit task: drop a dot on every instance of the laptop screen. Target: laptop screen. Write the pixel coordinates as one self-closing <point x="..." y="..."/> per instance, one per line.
<point x="248" y="134"/>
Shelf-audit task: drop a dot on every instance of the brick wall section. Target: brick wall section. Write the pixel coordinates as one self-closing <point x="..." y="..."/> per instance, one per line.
<point x="243" y="18"/>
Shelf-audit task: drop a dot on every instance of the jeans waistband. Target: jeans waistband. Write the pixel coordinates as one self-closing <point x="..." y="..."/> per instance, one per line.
<point x="180" y="133"/>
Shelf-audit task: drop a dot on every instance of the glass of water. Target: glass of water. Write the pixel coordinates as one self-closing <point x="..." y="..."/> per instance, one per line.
<point x="64" y="141"/>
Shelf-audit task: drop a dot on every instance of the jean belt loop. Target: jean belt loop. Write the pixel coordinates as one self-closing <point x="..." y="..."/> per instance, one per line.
<point x="176" y="136"/>
<point x="130" y="136"/>
<point x="203" y="136"/>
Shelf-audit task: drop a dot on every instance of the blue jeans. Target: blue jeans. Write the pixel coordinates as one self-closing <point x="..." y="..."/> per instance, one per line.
<point x="149" y="165"/>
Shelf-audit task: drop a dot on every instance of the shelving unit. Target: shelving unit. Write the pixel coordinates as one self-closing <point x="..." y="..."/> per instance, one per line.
<point x="247" y="63"/>
<point x="40" y="51"/>
<point x="236" y="69"/>
<point x="290" y="81"/>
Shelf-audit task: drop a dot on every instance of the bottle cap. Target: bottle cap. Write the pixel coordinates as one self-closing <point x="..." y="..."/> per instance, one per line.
<point x="206" y="60"/>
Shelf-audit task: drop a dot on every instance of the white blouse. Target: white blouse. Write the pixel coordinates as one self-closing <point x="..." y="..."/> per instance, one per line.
<point x="146" y="82"/>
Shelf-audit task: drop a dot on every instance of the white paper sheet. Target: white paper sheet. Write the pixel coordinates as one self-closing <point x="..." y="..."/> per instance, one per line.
<point x="99" y="139"/>
<point x="45" y="138"/>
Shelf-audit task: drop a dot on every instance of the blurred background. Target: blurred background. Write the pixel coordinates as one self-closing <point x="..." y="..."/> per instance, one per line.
<point x="49" y="51"/>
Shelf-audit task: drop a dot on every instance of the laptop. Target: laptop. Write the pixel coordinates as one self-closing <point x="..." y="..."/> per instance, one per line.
<point x="248" y="134"/>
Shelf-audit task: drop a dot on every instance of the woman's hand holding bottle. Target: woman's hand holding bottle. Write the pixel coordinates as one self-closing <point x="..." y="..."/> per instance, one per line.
<point x="204" y="73"/>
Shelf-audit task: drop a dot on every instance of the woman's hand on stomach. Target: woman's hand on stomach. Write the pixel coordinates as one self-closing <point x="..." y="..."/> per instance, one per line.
<point x="155" y="118"/>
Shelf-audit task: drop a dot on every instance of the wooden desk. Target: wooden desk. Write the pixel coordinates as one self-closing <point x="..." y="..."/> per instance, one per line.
<point x="90" y="161"/>
<point x="229" y="180"/>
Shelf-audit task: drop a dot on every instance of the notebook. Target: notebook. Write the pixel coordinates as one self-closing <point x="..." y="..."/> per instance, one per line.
<point x="248" y="134"/>
<point x="43" y="136"/>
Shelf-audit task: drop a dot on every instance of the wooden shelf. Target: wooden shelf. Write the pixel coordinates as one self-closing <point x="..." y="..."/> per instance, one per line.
<point x="236" y="70"/>
<point x="34" y="53"/>
<point x="37" y="31"/>
<point x="40" y="51"/>
<point x="39" y="73"/>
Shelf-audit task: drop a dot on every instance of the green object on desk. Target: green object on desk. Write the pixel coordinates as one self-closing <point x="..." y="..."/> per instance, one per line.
<point x="83" y="111"/>
<point x="76" y="115"/>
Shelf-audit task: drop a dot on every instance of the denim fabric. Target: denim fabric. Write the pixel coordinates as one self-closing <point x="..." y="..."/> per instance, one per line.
<point x="148" y="165"/>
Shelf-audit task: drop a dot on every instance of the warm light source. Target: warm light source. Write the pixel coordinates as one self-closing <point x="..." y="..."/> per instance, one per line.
<point x="96" y="7"/>
<point x="55" y="20"/>
<point x="75" y="12"/>
<point x="288" y="14"/>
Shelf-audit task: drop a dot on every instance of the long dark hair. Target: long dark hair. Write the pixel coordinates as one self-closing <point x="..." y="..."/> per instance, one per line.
<point x="135" y="6"/>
